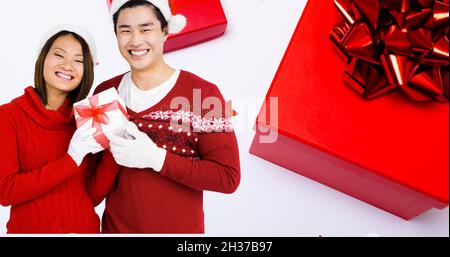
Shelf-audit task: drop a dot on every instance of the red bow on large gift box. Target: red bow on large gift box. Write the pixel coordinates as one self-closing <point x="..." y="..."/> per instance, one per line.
<point x="390" y="152"/>
<point x="395" y="44"/>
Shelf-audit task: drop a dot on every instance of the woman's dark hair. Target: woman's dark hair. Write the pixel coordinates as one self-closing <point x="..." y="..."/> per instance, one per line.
<point x="137" y="3"/>
<point x="82" y="91"/>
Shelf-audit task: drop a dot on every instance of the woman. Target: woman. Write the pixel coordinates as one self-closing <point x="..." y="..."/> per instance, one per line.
<point x="44" y="176"/>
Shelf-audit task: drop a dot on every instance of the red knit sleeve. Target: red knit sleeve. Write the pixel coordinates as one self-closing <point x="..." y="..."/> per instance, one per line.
<point x="114" y="82"/>
<point x="101" y="176"/>
<point x="102" y="169"/>
<point x="18" y="186"/>
<point x="217" y="170"/>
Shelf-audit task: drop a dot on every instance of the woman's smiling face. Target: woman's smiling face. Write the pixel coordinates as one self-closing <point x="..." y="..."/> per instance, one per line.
<point x="63" y="66"/>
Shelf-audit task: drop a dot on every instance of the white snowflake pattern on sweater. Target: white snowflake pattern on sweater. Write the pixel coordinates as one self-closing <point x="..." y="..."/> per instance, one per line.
<point x="197" y="122"/>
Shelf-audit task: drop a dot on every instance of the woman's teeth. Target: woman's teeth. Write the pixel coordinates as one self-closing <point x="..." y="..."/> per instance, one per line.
<point x="64" y="76"/>
<point x="139" y="53"/>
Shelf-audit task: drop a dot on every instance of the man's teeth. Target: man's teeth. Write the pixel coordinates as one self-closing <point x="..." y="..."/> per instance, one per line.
<point x="139" y="53"/>
<point x="64" y="76"/>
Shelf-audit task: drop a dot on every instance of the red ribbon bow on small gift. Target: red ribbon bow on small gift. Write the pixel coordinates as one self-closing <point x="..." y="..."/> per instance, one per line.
<point x="98" y="115"/>
<point x="394" y="44"/>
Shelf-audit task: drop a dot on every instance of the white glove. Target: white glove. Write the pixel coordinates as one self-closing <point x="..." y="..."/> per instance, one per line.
<point x="137" y="150"/>
<point x="82" y="144"/>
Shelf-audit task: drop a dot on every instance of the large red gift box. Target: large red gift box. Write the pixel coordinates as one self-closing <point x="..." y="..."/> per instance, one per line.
<point x="206" y="20"/>
<point x="390" y="152"/>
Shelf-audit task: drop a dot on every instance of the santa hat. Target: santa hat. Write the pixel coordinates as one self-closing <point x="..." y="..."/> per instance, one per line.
<point x="176" y="22"/>
<point x="74" y="29"/>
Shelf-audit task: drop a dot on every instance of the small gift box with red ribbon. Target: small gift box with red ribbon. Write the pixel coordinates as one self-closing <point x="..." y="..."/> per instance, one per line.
<point x="206" y="20"/>
<point x="105" y="111"/>
<point x="388" y="147"/>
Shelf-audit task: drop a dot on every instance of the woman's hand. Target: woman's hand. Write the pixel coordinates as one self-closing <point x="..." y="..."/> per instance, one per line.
<point x="83" y="143"/>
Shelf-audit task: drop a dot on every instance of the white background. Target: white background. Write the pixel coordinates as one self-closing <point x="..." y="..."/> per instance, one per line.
<point x="271" y="201"/>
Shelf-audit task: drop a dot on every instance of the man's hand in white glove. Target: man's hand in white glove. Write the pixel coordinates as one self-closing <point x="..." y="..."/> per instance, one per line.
<point x="138" y="152"/>
<point x="83" y="143"/>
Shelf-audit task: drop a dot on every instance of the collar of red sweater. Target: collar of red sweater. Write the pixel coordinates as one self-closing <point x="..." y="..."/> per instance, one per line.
<point x="31" y="104"/>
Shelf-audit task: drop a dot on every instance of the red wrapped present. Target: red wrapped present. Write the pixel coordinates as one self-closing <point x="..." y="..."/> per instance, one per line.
<point x="206" y="20"/>
<point x="105" y="111"/>
<point x="391" y="151"/>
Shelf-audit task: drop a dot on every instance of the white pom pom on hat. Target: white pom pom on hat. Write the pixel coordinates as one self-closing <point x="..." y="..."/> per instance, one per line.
<point x="80" y="31"/>
<point x="176" y="22"/>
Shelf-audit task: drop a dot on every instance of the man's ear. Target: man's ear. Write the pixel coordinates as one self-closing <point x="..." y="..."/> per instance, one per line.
<point x="166" y="33"/>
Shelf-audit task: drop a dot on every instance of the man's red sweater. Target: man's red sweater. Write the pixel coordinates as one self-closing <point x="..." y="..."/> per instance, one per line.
<point x="144" y="201"/>
<point x="47" y="192"/>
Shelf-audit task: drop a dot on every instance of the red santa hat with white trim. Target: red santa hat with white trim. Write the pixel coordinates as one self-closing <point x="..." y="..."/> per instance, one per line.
<point x="80" y="31"/>
<point x="176" y="22"/>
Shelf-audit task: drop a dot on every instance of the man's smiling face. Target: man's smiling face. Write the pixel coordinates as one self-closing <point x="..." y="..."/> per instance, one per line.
<point x="140" y="37"/>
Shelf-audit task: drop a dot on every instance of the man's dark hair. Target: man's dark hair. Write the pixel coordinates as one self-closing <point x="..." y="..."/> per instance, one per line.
<point x="137" y="3"/>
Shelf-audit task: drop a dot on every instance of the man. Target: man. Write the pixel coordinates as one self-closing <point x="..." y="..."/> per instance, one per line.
<point x="170" y="154"/>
